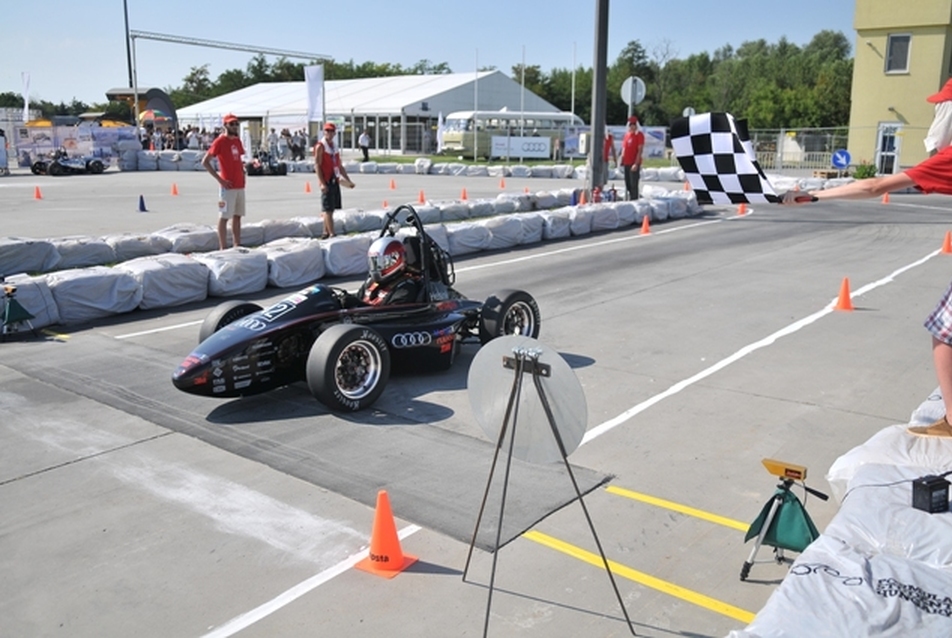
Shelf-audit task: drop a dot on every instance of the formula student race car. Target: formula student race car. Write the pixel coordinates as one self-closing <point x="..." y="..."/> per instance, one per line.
<point x="263" y="163"/>
<point x="59" y="162"/>
<point x="343" y="348"/>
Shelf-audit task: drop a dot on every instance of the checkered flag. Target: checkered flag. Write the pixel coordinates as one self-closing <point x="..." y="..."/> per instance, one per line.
<point x="718" y="160"/>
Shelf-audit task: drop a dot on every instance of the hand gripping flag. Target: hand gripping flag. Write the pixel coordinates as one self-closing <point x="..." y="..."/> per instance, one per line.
<point x="718" y="160"/>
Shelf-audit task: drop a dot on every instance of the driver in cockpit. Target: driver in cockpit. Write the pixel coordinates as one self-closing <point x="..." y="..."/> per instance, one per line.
<point x="391" y="280"/>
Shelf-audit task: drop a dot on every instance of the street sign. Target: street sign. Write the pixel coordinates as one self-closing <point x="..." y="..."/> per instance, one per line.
<point x="633" y="90"/>
<point x="841" y="159"/>
<point x="688" y="111"/>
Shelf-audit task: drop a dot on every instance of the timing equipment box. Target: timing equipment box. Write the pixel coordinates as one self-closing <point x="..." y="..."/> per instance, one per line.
<point x="930" y="494"/>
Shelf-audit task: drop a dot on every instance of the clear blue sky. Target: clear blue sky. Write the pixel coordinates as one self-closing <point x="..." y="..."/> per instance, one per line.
<point x="77" y="49"/>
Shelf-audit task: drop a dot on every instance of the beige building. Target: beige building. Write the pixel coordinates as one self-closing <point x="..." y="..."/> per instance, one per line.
<point x="903" y="55"/>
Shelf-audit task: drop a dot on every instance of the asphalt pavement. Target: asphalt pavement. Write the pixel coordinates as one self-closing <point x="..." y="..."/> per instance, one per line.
<point x="701" y="348"/>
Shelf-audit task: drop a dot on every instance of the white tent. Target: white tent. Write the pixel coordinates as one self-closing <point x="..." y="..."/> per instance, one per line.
<point x="384" y="105"/>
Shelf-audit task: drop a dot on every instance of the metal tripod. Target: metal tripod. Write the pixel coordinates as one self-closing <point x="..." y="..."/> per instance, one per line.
<point x="526" y="361"/>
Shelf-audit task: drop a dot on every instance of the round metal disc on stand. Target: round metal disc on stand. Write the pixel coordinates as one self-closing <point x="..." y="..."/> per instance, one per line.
<point x="490" y="387"/>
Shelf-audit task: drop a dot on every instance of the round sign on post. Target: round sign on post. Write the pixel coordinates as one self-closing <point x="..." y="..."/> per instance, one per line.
<point x="633" y="90"/>
<point x="688" y="111"/>
<point x="841" y="159"/>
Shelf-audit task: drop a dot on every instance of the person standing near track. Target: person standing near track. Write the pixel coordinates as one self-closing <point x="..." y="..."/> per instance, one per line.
<point x="330" y="173"/>
<point x="632" y="151"/>
<point x="933" y="175"/>
<point x="228" y="149"/>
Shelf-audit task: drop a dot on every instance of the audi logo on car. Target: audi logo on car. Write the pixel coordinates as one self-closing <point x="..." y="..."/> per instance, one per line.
<point x="411" y="339"/>
<point x="534" y="146"/>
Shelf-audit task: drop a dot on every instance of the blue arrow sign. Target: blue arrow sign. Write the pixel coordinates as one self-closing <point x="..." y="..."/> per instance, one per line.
<point x="841" y="159"/>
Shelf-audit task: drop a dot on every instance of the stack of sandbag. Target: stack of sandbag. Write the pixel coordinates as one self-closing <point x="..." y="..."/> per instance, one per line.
<point x="20" y="254"/>
<point x="293" y="261"/>
<point x="235" y="271"/>
<point x="91" y="293"/>
<point x="81" y="251"/>
<point x="168" y="280"/>
<point x="128" y="159"/>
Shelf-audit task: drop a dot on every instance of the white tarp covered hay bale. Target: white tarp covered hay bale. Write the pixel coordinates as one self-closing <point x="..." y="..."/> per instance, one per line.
<point x="251" y="235"/>
<point x="190" y="238"/>
<point x="278" y="228"/>
<point x="346" y="256"/>
<point x="235" y="271"/>
<point x="313" y="224"/>
<point x="91" y="293"/>
<point x="168" y="280"/>
<point x="294" y="261"/>
<point x="557" y="223"/>
<point x="131" y="245"/>
<point x="532" y="226"/>
<point x="19" y="254"/>
<point x="505" y="232"/>
<point x="468" y="238"/>
<point x="33" y="293"/>
<point x="82" y="251"/>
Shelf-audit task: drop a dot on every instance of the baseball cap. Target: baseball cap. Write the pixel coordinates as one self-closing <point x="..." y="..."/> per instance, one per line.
<point x="942" y="96"/>
<point x="632" y="120"/>
<point x="231" y="117"/>
<point x="330" y="127"/>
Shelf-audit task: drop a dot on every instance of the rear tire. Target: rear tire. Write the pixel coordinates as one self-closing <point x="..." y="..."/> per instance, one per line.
<point x="37" y="168"/>
<point x="54" y="169"/>
<point x="509" y="312"/>
<point x="95" y="167"/>
<point x="224" y="314"/>
<point x="348" y="367"/>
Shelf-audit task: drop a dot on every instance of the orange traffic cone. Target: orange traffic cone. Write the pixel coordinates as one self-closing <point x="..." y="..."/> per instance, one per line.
<point x="742" y="209"/>
<point x="393" y="185"/>
<point x="502" y="182"/>
<point x="525" y="190"/>
<point x="385" y="204"/>
<point x="687" y="186"/>
<point x="463" y="196"/>
<point x="386" y="558"/>
<point x="582" y="198"/>
<point x="174" y="189"/>
<point x="844" y="302"/>
<point x="886" y="198"/>
<point x="36" y="193"/>
<point x="307" y="187"/>
<point x="646" y="225"/>
<point x="422" y="198"/>
<point x="947" y="243"/>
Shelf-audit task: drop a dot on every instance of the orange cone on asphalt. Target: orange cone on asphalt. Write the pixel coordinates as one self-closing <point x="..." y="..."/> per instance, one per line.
<point x="525" y="190"/>
<point x="742" y="209"/>
<point x="385" y="204"/>
<point x="646" y="225"/>
<point x="947" y="243"/>
<point x="307" y="187"/>
<point x="687" y="186"/>
<point x="393" y="185"/>
<point x="502" y="183"/>
<point x="174" y="189"/>
<point x="422" y="198"/>
<point x="386" y="558"/>
<point x="36" y="193"/>
<point x="844" y="302"/>
<point x="463" y="196"/>
<point x="886" y="198"/>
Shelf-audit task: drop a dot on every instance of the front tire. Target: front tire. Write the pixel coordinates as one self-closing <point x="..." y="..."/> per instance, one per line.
<point x="224" y="314"/>
<point x="55" y="169"/>
<point x="509" y="312"/>
<point x="348" y="367"/>
<point x="95" y="167"/>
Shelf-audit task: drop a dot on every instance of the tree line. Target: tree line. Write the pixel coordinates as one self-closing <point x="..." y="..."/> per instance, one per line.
<point x="778" y="85"/>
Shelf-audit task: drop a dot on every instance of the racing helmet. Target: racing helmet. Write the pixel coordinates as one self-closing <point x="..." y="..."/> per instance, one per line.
<point x="386" y="258"/>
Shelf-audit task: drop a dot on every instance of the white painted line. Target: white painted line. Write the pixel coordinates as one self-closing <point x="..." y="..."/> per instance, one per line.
<point x="163" y="329"/>
<point x="743" y="352"/>
<point x="247" y="619"/>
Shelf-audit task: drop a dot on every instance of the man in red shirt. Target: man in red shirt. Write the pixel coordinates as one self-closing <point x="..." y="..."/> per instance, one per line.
<point x="330" y="174"/>
<point x="632" y="150"/>
<point x="228" y="149"/>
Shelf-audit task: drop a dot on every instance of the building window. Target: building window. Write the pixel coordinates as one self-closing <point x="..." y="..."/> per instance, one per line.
<point x="897" y="53"/>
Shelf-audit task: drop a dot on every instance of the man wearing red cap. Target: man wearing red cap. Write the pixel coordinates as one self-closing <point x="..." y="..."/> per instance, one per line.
<point x="933" y="175"/>
<point x="330" y="173"/>
<point x="228" y="149"/>
<point x="632" y="150"/>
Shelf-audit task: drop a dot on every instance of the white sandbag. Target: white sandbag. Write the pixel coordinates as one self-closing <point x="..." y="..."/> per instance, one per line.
<point x="505" y="231"/>
<point x="456" y="169"/>
<point x="604" y="217"/>
<point x="677" y="207"/>
<point x="313" y="224"/>
<point x="468" y="238"/>
<point x="563" y="197"/>
<point x="235" y="271"/>
<point x="522" y="200"/>
<point x="251" y="234"/>
<point x="580" y="172"/>
<point x="670" y="174"/>
<point x="642" y="210"/>
<point x="129" y="159"/>
<point x="440" y="168"/>
<point x="626" y="213"/>
<point x="545" y="200"/>
<point x="649" y="175"/>
<point x="930" y="410"/>
<point x="544" y="172"/>
<point x="90" y="293"/>
<point x="437" y="232"/>
<point x="690" y="200"/>
<point x="191" y="157"/>
<point x="278" y="228"/>
<point x="481" y="208"/>
<point x="650" y="191"/>
<point x="168" y="160"/>
<point x="20" y="254"/>
<point x="477" y="171"/>
<point x="453" y="211"/>
<point x="581" y="219"/>
<point x="168" y="280"/>
<point x="428" y="213"/>
<point x="81" y="251"/>
<point x="520" y="170"/>
<point x="557" y="223"/>
<point x="128" y="145"/>
<point x="497" y="170"/>
<point x="406" y="169"/>
<point x="362" y="221"/>
<point x="147" y="160"/>
<point x="190" y="238"/>
<point x="33" y="293"/>
<point x="504" y="206"/>
<point x="423" y="165"/>
<point x="345" y="256"/>
<point x="387" y="168"/>
<point x="351" y="166"/>
<point x="562" y="171"/>
<point x="834" y="590"/>
<point x="811" y="183"/>
<point x="294" y="261"/>
<point x="532" y="226"/>
<point x="131" y="245"/>
<point x="659" y="209"/>
<point x="783" y="183"/>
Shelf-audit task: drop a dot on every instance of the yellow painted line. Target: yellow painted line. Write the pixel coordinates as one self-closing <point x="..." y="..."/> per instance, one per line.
<point x="677" y="507"/>
<point x="641" y="578"/>
<point x="56" y="335"/>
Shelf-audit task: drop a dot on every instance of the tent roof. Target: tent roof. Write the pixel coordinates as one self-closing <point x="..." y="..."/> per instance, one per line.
<point x="366" y="96"/>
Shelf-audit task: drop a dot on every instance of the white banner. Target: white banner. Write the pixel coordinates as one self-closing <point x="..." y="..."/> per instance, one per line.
<point x="531" y="147"/>
<point x="654" y="141"/>
<point x="314" y="79"/>
<point x="26" y="95"/>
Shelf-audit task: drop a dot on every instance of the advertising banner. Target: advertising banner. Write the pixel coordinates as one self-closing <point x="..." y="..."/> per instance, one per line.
<point x="537" y="147"/>
<point x="33" y="142"/>
<point x="654" y="141"/>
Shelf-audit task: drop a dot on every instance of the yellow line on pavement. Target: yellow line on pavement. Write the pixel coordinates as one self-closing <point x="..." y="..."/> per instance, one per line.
<point x="677" y="507"/>
<point x="641" y="578"/>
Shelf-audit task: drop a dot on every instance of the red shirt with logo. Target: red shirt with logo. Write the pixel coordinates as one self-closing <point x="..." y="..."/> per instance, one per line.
<point x="631" y="146"/>
<point x="229" y="150"/>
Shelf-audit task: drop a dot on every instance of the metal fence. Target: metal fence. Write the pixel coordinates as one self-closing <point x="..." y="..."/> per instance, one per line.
<point x="808" y="149"/>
